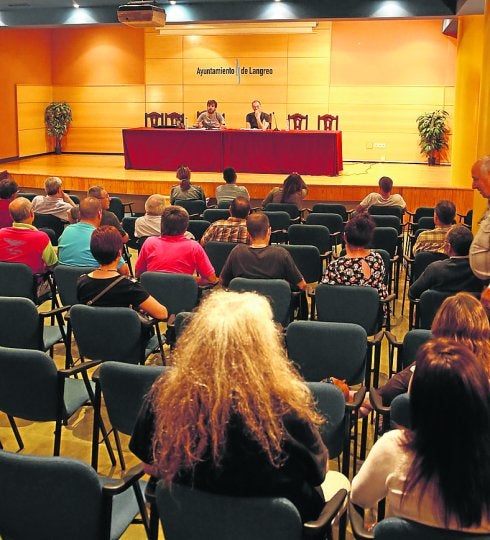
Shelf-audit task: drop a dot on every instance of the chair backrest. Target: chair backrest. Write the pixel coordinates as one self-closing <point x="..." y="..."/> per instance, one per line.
<point x="174" y="119"/>
<point x="215" y="214"/>
<point x="388" y="221"/>
<point x="386" y="210"/>
<point x="198" y="227"/>
<point x="331" y="208"/>
<point x="333" y="222"/>
<point x="153" y="119"/>
<point x="387" y="262"/>
<point x="297" y="119"/>
<point x="116" y="206"/>
<point x="426" y="223"/>
<point x="192" y="514"/>
<point x="129" y="225"/>
<point x="400" y="414"/>
<point x="218" y="253"/>
<point x="182" y="319"/>
<point x="124" y="387"/>
<point x="353" y="304"/>
<point x="66" y="278"/>
<point x="194" y="207"/>
<point x="307" y="259"/>
<point x="411" y="344"/>
<point x="329" y="121"/>
<point x="310" y="235"/>
<point x="422" y="260"/>
<point x="423" y="211"/>
<point x="279" y="221"/>
<point x="290" y="208"/>
<point x="16" y="279"/>
<point x="20" y="325"/>
<point x="29" y="196"/>
<point x="108" y="333"/>
<point x="328" y="349"/>
<point x="277" y="290"/>
<point x="385" y="238"/>
<point x="48" y="221"/>
<point x="224" y="204"/>
<point x="429" y="304"/>
<point x="177" y="292"/>
<point x="41" y="498"/>
<point x="404" y="529"/>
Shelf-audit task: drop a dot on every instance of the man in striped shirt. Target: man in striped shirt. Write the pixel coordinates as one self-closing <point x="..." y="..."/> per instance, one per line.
<point x="233" y="229"/>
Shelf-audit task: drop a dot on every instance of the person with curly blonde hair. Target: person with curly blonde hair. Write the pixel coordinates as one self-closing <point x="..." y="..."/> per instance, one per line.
<point x="232" y="415"/>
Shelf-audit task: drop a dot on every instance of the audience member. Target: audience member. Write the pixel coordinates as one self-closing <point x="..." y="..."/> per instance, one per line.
<point x="233" y="416"/>
<point x="293" y="191"/>
<point x="106" y="246"/>
<point x="228" y="191"/>
<point x="437" y="473"/>
<point x="8" y="192"/>
<point x="257" y="119"/>
<point x="453" y="274"/>
<point x="211" y="118"/>
<point x="56" y="202"/>
<point x="74" y="243"/>
<point x="434" y="240"/>
<point x="384" y="197"/>
<point x="480" y="248"/>
<point x="108" y="217"/>
<point x="360" y="265"/>
<point x="233" y="229"/>
<point x="260" y="260"/>
<point x="173" y="252"/>
<point x="185" y="190"/>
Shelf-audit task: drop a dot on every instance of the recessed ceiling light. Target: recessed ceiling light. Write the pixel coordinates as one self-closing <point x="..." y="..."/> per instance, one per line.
<point x="75" y="5"/>
<point x="173" y="2"/>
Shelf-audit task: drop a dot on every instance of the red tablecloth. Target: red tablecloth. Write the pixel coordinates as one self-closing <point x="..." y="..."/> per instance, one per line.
<point x="254" y="151"/>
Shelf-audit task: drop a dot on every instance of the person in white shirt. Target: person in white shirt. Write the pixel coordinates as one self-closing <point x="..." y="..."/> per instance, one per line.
<point x="383" y="197"/>
<point x="56" y="202"/>
<point x="230" y="191"/>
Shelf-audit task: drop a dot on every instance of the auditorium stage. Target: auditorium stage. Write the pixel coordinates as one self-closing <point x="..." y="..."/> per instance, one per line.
<point x="419" y="184"/>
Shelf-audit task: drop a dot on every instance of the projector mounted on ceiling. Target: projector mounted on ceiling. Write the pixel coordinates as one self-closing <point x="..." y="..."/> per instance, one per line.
<point x="140" y="14"/>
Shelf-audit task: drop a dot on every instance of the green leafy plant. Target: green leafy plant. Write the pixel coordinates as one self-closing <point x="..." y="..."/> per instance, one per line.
<point x="434" y="133"/>
<point x="57" y="117"/>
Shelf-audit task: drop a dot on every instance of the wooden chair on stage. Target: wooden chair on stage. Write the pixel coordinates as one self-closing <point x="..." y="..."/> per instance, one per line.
<point x="174" y="119"/>
<point x="329" y="121"/>
<point x="153" y="119"/>
<point x="297" y="120"/>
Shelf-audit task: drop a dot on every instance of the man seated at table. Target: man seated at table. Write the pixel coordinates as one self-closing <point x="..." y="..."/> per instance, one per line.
<point x="233" y="229"/>
<point x="211" y="118"/>
<point x="259" y="260"/>
<point x="228" y="191"/>
<point x="173" y="252"/>
<point x="56" y="202"/>
<point x="257" y="119"/>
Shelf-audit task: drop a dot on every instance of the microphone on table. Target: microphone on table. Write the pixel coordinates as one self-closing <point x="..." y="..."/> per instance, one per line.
<point x="274" y="116"/>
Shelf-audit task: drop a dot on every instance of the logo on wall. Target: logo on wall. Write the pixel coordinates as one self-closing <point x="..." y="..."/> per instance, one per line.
<point x="237" y="71"/>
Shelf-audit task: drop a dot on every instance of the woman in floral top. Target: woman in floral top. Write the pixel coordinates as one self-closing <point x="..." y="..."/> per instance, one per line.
<point x="360" y="265"/>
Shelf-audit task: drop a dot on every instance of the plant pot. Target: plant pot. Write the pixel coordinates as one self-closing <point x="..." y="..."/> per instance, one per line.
<point x="57" y="147"/>
<point x="431" y="160"/>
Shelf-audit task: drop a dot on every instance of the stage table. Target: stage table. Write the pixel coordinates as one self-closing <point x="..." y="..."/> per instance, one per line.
<point x="253" y="151"/>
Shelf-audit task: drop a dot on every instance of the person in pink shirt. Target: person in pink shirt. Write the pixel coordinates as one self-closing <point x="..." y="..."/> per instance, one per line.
<point x="173" y="252"/>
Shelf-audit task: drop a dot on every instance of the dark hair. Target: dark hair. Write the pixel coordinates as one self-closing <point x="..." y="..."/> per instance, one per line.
<point x="460" y="238"/>
<point x="229" y="175"/>
<point x="175" y="221"/>
<point x="184" y="175"/>
<point x="257" y="225"/>
<point x="8" y="186"/>
<point x="445" y="211"/>
<point x="450" y="436"/>
<point x="212" y="102"/>
<point x="89" y="208"/>
<point x="240" y="207"/>
<point x="105" y="244"/>
<point x="292" y="185"/>
<point x="386" y="184"/>
<point x="95" y="191"/>
<point x="359" y="230"/>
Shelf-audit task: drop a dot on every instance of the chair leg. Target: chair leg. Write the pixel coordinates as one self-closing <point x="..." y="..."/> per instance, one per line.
<point x="95" y="399"/>
<point x="16" y="431"/>
<point x="142" y="507"/>
<point x="57" y="437"/>
<point x="119" y="449"/>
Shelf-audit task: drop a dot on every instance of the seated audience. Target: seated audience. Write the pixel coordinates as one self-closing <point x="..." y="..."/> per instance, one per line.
<point x="228" y="191"/>
<point x="108" y="217"/>
<point x="434" y="239"/>
<point x="185" y="190"/>
<point x="293" y="191"/>
<point x="74" y="243"/>
<point x="453" y="274"/>
<point x="233" y="416"/>
<point x="233" y="229"/>
<point x="437" y="473"/>
<point x="8" y="192"/>
<point x="460" y="317"/>
<point x="151" y="223"/>
<point x="106" y="246"/>
<point x="56" y="202"/>
<point x="360" y="265"/>
<point x="384" y="197"/>
<point x="173" y="252"/>
<point x="259" y="260"/>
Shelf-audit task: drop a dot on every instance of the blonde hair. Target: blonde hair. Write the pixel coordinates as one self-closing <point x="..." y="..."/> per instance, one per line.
<point x="229" y="362"/>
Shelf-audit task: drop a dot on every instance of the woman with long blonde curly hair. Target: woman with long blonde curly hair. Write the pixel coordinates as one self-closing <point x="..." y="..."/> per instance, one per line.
<point x="232" y="415"/>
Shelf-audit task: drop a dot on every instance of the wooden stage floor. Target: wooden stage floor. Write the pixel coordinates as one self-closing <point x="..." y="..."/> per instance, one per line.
<point x="419" y="184"/>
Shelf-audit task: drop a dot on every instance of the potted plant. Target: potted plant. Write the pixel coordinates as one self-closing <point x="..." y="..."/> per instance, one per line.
<point x="57" y="117"/>
<point x="434" y="132"/>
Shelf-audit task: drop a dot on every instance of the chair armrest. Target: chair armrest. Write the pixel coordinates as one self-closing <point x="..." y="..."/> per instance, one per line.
<point x="407" y="259"/>
<point x="357" y="523"/>
<point x="377" y="402"/>
<point x="388" y="299"/>
<point x="129" y="204"/>
<point x="54" y="311"/>
<point x="357" y="400"/>
<point x="392" y="339"/>
<point x="84" y="366"/>
<point x="377" y="338"/>
<point x="318" y="527"/>
<point x="126" y="481"/>
<point x="327" y="255"/>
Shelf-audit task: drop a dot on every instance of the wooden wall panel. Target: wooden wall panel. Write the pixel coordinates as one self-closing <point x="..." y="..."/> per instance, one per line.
<point x="314" y="95"/>
<point x="158" y="93"/>
<point x="105" y="115"/>
<point x="235" y="46"/>
<point x="163" y="71"/>
<point x="30" y="115"/>
<point x="235" y="94"/>
<point x="33" y="141"/>
<point x="29" y="93"/>
<point x="316" y="45"/>
<point x="388" y="95"/>
<point x="100" y="94"/>
<point x="91" y="139"/>
<point x="157" y="46"/>
<point x="316" y="71"/>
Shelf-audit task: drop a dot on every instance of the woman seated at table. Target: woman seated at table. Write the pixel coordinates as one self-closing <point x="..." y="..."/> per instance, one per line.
<point x="293" y="191"/>
<point x="185" y="190"/>
<point x="438" y="473"/>
<point x="233" y="416"/>
<point x="106" y="247"/>
<point x="360" y="265"/>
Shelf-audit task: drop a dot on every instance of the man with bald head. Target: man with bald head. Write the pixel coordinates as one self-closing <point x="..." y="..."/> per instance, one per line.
<point x="23" y="243"/>
<point x="480" y="248"/>
<point x="74" y="243"/>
